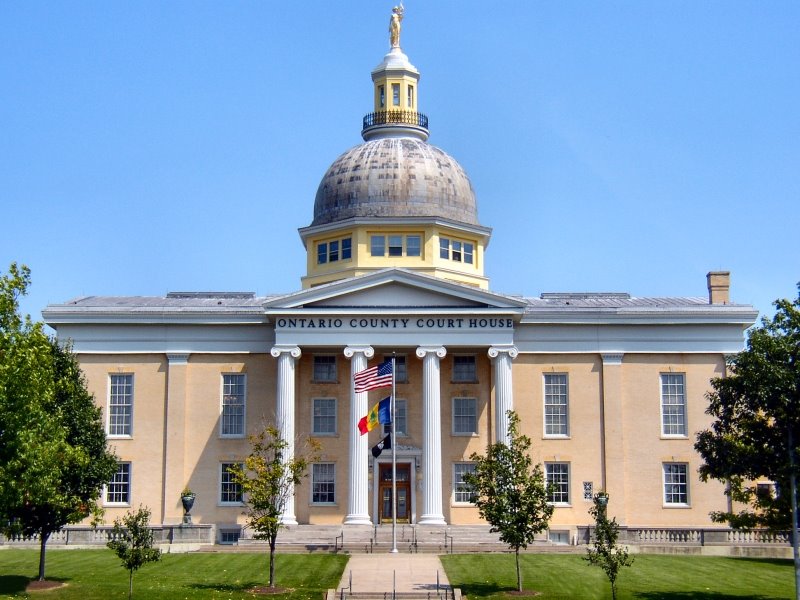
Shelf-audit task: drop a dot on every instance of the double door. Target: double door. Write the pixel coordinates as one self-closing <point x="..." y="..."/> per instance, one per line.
<point x="403" y="493"/>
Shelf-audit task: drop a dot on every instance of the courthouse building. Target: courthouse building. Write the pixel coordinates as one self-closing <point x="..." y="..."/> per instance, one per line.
<point x="609" y="387"/>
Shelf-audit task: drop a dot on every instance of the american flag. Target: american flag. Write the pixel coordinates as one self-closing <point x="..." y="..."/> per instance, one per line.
<point x="374" y="377"/>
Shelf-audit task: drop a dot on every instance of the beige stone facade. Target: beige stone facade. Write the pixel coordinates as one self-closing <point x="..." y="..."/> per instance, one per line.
<point x="609" y="387"/>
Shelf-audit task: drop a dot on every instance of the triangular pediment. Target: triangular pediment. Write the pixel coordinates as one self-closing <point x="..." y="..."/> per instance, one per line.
<point x="394" y="289"/>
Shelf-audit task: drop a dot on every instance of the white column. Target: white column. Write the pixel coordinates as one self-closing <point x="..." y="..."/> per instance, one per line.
<point x="284" y="412"/>
<point x="503" y="389"/>
<point x="431" y="436"/>
<point x="357" y="479"/>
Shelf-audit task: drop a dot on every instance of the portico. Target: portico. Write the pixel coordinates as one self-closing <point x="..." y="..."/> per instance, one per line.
<point x="442" y="317"/>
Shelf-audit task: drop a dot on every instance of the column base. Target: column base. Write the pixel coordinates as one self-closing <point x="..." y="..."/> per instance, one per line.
<point x="432" y="520"/>
<point x="286" y="520"/>
<point x="357" y="520"/>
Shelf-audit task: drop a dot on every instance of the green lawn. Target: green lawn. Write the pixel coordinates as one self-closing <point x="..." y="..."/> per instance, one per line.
<point x="98" y="575"/>
<point x="651" y="577"/>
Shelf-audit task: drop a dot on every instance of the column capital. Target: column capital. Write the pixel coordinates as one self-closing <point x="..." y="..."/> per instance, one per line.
<point x="495" y="351"/>
<point x="612" y="358"/>
<point x="440" y="351"/>
<point x="351" y="351"/>
<point x="178" y="358"/>
<point x="293" y="351"/>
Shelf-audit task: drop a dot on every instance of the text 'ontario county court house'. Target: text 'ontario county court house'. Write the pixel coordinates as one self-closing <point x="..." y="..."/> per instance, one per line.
<point x="609" y="387"/>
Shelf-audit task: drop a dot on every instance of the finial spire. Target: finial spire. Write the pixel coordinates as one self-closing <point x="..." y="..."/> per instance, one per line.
<point x="394" y="25"/>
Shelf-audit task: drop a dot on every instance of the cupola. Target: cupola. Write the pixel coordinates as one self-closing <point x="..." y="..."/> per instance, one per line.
<point x="395" y="200"/>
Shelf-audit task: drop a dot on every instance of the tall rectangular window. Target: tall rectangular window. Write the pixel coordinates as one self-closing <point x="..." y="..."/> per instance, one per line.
<point x="556" y="416"/>
<point x="230" y="492"/>
<point x="413" y="245"/>
<point x="395" y="245"/>
<point x="233" y="405"/>
<point x="347" y="248"/>
<point x="462" y="491"/>
<point x="120" y="405"/>
<point x="465" y="416"/>
<point x="676" y="483"/>
<point x="400" y="418"/>
<point x="118" y="490"/>
<point x="324" y="421"/>
<point x="377" y="245"/>
<point x="395" y="94"/>
<point x="323" y="483"/>
<point x="322" y="253"/>
<point x="456" y="251"/>
<point x="468" y="252"/>
<point x="333" y="252"/>
<point x="557" y="475"/>
<point x="382" y="95"/>
<point x="324" y="369"/>
<point x="673" y="404"/>
<point x="464" y="368"/>
<point x="410" y="102"/>
<point x="400" y="368"/>
<point x="444" y="248"/>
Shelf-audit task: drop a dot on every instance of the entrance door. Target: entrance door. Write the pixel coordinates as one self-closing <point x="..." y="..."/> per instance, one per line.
<point x="403" y="493"/>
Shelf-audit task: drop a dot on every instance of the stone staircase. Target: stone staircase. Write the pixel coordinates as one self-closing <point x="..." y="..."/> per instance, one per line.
<point x="357" y="539"/>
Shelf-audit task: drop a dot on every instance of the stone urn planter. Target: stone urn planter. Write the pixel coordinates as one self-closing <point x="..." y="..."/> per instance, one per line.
<point x="187" y="499"/>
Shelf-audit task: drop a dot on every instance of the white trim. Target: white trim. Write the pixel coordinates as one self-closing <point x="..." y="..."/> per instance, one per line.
<point x="555" y="436"/>
<point x="453" y="500"/>
<point x="235" y="436"/>
<point x="130" y="487"/>
<point x="120" y="436"/>
<point x="335" y="486"/>
<point x="664" y="502"/>
<point x="220" y="502"/>
<point x="453" y="431"/>
<point x="335" y="431"/>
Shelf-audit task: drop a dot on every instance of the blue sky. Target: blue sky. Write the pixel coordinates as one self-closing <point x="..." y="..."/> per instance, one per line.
<point x="155" y="146"/>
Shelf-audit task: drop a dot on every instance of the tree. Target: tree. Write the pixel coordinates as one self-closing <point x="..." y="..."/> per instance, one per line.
<point x="754" y="436"/>
<point x="510" y="493"/>
<point x="605" y="553"/>
<point x="54" y="459"/>
<point x="133" y="542"/>
<point x="267" y="481"/>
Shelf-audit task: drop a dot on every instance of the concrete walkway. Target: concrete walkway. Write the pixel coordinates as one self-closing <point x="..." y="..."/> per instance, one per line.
<point x="412" y="572"/>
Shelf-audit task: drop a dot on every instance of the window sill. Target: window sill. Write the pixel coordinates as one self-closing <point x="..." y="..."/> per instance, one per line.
<point x="116" y="504"/>
<point x="323" y="504"/>
<point x="674" y="437"/>
<point x="325" y="434"/>
<point x="464" y="381"/>
<point x="560" y="504"/>
<point x="676" y="505"/>
<point x="110" y="436"/>
<point x="556" y="437"/>
<point x="230" y="504"/>
<point x="328" y="381"/>
<point x="465" y="434"/>
<point x="238" y="436"/>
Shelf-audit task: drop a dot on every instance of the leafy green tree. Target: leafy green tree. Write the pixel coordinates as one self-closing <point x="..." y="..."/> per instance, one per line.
<point x="605" y="553"/>
<point x="54" y="459"/>
<point x="267" y="481"/>
<point x="133" y="542"/>
<point x="754" y="436"/>
<point x="511" y="493"/>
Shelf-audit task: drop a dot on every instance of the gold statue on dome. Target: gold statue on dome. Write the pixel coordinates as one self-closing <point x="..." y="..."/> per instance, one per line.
<point x="394" y="25"/>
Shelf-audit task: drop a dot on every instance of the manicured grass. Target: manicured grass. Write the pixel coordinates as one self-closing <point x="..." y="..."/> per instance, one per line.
<point x="484" y="576"/>
<point x="98" y="575"/>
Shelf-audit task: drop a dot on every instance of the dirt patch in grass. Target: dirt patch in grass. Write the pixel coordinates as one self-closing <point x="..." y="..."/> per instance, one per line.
<point x="43" y="586"/>
<point x="264" y="590"/>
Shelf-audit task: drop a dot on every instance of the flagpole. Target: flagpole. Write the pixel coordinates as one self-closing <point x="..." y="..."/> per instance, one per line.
<point x="394" y="460"/>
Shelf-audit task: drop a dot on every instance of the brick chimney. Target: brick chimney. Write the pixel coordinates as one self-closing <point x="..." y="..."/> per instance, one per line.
<point x="719" y="286"/>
